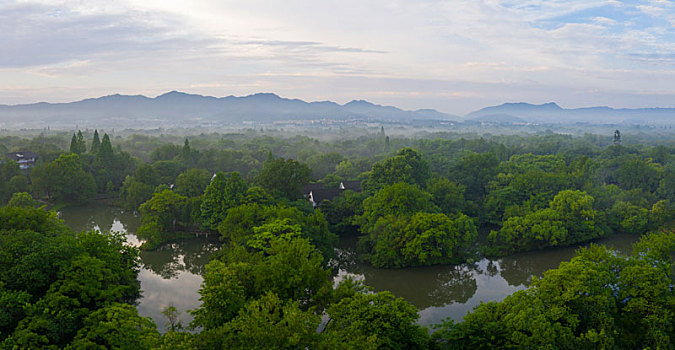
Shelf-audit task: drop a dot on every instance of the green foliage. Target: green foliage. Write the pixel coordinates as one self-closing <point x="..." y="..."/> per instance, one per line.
<point x="324" y="164"/>
<point x="192" y="182"/>
<point x="223" y="193"/>
<point x="77" y="143"/>
<point x="166" y="151"/>
<point x="661" y="213"/>
<point x="599" y="299"/>
<point x="187" y="154"/>
<point x="627" y="217"/>
<point x="374" y="321"/>
<point x="106" y="150"/>
<point x="283" y="177"/>
<point x="11" y="180"/>
<point x="166" y="171"/>
<point x="398" y="200"/>
<point x="474" y="171"/>
<point x="275" y="260"/>
<point x="22" y="199"/>
<point x="64" y="179"/>
<point x="570" y="218"/>
<point x="406" y="166"/>
<point x="420" y="239"/>
<point x="636" y="173"/>
<point x="12" y="309"/>
<point x="138" y="188"/>
<point x="447" y="195"/>
<point x="116" y="326"/>
<point x="240" y="222"/>
<point x="160" y="215"/>
<point x="342" y="211"/>
<point x="268" y="323"/>
<point x="95" y="143"/>
<point x="110" y="168"/>
<point x="53" y="281"/>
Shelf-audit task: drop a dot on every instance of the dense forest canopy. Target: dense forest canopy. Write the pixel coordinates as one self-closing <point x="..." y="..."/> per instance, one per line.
<point x="440" y="198"/>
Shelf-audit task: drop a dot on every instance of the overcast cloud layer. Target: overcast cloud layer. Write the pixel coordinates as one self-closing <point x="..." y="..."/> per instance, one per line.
<point x="455" y="56"/>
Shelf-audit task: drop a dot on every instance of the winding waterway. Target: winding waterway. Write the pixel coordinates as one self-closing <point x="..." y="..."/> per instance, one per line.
<point x="171" y="275"/>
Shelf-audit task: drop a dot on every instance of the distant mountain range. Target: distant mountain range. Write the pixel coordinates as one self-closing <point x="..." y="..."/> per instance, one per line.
<point x="551" y="113"/>
<point x="180" y="109"/>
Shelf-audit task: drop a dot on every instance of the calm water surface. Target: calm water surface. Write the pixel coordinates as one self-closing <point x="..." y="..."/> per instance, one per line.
<point x="171" y="275"/>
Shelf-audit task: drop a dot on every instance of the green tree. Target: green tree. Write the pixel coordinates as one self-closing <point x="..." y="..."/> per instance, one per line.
<point x="398" y="200"/>
<point x="447" y="195"/>
<point x="268" y="322"/>
<point x="52" y="279"/>
<point x="420" y="239"/>
<point x="160" y="215"/>
<point x="570" y="218"/>
<point x="474" y="171"/>
<point x="117" y="326"/>
<point x="223" y="193"/>
<point x="406" y="166"/>
<point x="600" y="299"/>
<point x="22" y="199"/>
<point x="636" y="173"/>
<point x="106" y="149"/>
<point x="283" y="177"/>
<point x="277" y="260"/>
<point x="77" y="144"/>
<point x="9" y="171"/>
<point x="627" y="217"/>
<point x="436" y="239"/>
<point x="192" y="182"/>
<point x="65" y="180"/>
<point x="95" y="143"/>
<point x="374" y="321"/>
<point x="324" y="164"/>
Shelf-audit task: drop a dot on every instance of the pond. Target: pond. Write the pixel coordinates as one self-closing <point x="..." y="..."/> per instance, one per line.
<point x="171" y="275"/>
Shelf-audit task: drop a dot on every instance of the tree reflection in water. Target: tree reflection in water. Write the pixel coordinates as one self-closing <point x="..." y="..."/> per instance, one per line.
<point x="187" y="255"/>
<point x="172" y="273"/>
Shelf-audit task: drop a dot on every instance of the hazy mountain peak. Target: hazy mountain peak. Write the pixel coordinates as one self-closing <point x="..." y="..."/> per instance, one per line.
<point x="264" y="95"/>
<point x="549" y="105"/>
<point x="178" y="95"/>
<point x="359" y="103"/>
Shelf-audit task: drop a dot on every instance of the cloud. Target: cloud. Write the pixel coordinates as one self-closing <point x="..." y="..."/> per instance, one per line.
<point x="38" y="34"/>
<point x="226" y="47"/>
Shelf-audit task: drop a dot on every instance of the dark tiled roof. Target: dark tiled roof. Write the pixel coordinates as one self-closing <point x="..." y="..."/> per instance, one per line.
<point x="320" y="192"/>
<point x="352" y="185"/>
<point x="21" y="155"/>
<point x="311" y="187"/>
<point x="326" y="193"/>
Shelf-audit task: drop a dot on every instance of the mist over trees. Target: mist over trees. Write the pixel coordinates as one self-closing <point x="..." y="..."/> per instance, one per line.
<point x="444" y="198"/>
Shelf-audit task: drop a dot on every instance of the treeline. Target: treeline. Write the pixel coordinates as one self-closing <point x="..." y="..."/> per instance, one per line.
<point x="419" y="206"/>
<point x="270" y="289"/>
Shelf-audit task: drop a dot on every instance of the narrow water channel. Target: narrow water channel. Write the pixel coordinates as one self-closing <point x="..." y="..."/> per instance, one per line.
<point x="171" y="275"/>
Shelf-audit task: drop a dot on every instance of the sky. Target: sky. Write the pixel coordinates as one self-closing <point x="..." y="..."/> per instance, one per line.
<point x="455" y="56"/>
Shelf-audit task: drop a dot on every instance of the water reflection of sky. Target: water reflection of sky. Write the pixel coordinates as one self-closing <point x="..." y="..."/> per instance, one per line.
<point x="171" y="275"/>
<point x="487" y="288"/>
<point x="158" y="293"/>
<point x="441" y="292"/>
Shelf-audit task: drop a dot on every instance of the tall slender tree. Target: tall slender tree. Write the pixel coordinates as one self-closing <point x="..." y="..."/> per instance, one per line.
<point x="95" y="143"/>
<point x="105" y="149"/>
<point x="77" y="143"/>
